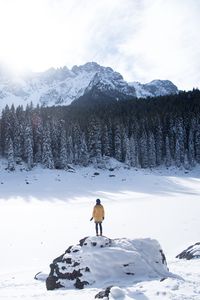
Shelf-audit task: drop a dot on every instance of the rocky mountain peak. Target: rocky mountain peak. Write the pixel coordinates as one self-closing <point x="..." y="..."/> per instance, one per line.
<point x="62" y="86"/>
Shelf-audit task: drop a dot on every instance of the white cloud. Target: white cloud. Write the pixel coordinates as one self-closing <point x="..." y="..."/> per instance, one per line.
<point x="142" y="39"/>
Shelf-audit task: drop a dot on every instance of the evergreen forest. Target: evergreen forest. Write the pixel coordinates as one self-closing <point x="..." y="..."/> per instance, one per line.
<point x="142" y="133"/>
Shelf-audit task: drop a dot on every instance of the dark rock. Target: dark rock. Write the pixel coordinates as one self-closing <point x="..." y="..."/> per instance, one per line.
<point x="58" y="259"/>
<point x="129" y="273"/>
<point x="82" y="241"/>
<point x="96" y="173"/>
<point x="164" y="261"/>
<point x="76" y="264"/>
<point x="104" y="293"/>
<point x="37" y="275"/>
<point x="68" y="250"/>
<point x="111" y="175"/>
<point x="162" y="279"/>
<point x="191" y="252"/>
<point x="52" y="284"/>
<point x="94" y="244"/>
<point x="87" y="269"/>
<point x="68" y="260"/>
<point x="80" y="284"/>
<point x="74" y="275"/>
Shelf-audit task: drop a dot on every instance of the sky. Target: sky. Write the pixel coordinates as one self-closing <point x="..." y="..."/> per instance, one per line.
<point x="141" y="39"/>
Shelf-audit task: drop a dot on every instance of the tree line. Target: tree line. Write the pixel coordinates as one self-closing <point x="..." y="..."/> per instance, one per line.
<point x="140" y="132"/>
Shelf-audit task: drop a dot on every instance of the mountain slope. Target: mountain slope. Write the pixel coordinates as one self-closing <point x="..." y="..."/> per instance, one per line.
<point x="62" y="86"/>
<point x="154" y="88"/>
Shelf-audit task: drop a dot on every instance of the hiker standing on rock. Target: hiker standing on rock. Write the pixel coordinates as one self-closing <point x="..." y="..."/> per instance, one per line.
<point x="98" y="216"/>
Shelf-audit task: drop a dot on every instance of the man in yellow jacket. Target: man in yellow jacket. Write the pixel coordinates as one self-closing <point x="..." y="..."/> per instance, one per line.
<point x="98" y="216"/>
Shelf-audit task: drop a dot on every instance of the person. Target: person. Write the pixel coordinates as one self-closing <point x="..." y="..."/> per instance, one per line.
<point x="98" y="216"/>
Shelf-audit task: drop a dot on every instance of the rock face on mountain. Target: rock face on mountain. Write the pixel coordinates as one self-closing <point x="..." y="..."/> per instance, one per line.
<point x="99" y="261"/>
<point x="62" y="86"/>
<point x="191" y="252"/>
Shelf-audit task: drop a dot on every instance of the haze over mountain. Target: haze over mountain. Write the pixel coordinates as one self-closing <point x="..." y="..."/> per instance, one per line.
<point x="62" y="86"/>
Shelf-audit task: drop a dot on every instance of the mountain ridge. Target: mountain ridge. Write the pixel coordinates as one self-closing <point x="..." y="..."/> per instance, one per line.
<point x="62" y="86"/>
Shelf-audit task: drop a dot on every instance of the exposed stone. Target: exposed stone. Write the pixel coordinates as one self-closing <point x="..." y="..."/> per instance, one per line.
<point x="52" y="284"/>
<point x="104" y="293"/>
<point x="68" y="250"/>
<point x="191" y="252"/>
<point x="80" y="284"/>
<point x="82" y="241"/>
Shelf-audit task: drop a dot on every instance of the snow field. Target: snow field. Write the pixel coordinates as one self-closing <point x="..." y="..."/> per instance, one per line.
<point x="41" y="218"/>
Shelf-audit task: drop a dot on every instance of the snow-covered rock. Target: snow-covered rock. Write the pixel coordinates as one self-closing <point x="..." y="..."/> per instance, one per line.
<point x="99" y="261"/>
<point x="62" y="86"/>
<point x="154" y="88"/>
<point x="191" y="252"/>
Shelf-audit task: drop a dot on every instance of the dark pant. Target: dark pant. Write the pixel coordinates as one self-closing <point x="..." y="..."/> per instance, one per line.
<point x="98" y="224"/>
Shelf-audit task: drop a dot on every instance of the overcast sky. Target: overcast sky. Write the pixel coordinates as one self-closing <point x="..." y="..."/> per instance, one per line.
<point x="142" y="39"/>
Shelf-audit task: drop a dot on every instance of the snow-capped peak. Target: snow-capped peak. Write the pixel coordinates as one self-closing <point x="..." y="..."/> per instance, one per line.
<point x="154" y="88"/>
<point x="62" y="86"/>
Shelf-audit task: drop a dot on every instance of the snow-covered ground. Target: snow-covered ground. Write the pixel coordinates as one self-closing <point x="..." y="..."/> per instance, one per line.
<point x="42" y="212"/>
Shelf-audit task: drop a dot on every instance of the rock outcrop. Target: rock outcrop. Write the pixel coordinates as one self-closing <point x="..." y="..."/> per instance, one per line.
<point x="100" y="261"/>
<point x="191" y="252"/>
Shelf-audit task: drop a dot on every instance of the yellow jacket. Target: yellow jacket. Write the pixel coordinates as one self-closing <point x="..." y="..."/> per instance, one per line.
<point x="98" y="213"/>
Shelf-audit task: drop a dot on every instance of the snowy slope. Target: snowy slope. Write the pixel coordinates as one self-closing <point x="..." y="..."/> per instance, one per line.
<point x="44" y="211"/>
<point x="62" y="86"/>
<point x="154" y="88"/>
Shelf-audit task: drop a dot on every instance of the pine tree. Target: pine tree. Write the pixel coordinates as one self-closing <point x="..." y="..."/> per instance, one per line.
<point x="133" y="152"/>
<point x="125" y="147"/>
<point x="159" y="142"/>
<point x="143" y="149"/>
<point x="28" y="145"/>
<point x="178" y="155"/>
<point x="94" y="140"/>
<point x="151" y="151"/>
<point x="76" y="136"/>
<point x="168" y="158"/>
<point x="191" y="150"/>
<point x="10" y="153"/>
<point x="55" y="130"/>
<point x="197" y="143"/>
<point x="63" y="149"/>
<point x="117" y="143"/>
<point x="127" y="157"/>
<point x="180" y="136"/>
<point x="70" y="150"/>
<point x="105" y="141"/>
<point x="37" y="128"/>
<point x="47" y="156"/>
<point x="84" y="156"/>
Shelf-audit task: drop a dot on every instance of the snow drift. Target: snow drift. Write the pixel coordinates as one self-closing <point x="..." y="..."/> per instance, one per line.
<point x="99" y="261"/>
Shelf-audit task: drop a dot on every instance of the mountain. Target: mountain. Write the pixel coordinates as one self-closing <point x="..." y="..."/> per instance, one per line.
<point x="154" y="88"/>
<point x="62" y="86"/>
